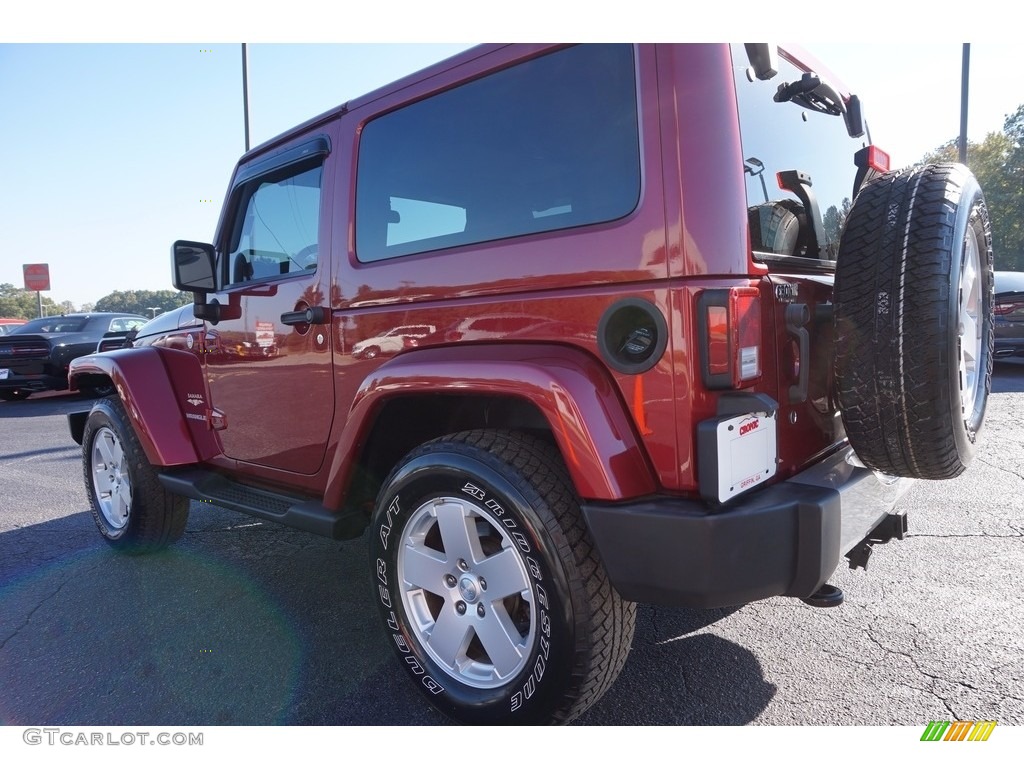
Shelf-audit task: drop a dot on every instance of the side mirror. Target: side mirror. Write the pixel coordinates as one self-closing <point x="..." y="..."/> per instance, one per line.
<point x="193" y="266"/>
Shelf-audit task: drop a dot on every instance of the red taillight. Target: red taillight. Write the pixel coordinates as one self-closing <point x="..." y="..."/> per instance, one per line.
<point x="718" y="340"/>
<point x="729" y="322"/>
<point x="877" y="159"/>
<point x="1009" y="308"/>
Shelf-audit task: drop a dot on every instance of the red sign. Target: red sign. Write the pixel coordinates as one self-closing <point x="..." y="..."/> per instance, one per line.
<point x="37" y="277"/>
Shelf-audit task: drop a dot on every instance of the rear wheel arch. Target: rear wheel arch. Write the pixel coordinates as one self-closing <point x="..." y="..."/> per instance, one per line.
<point x="558" y="393"/>
<point x="403" y="423"/>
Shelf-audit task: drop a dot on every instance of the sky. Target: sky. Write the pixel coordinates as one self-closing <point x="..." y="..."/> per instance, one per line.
<point x="110" y="150"/>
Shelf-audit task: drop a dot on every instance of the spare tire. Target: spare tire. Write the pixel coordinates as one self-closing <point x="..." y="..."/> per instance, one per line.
<point x="913" y="321"/>
<point x="773" y="228"/>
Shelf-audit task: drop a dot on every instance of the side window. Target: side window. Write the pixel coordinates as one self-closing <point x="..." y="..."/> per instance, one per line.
<point x="548" y="144"/>
<point x="277" y="228"/>
<point x="125" y="324"/>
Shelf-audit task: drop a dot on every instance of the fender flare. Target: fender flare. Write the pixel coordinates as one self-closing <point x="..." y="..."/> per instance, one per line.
<point x="171" y="430"/>
<point x="574" y="393"/>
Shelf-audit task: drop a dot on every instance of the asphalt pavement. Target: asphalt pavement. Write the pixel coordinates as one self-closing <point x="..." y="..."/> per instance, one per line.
<point x="246" y="622"/>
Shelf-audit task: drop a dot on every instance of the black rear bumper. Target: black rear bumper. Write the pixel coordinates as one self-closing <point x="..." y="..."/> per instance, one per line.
<point x="783" y="540"/>
<point x="32" y="382"/>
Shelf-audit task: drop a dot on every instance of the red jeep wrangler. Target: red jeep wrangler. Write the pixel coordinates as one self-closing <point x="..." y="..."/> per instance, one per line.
<point x="660" y="355"/>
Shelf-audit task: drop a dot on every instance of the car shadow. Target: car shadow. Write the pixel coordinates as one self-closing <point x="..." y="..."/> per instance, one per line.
<point x="249" y="623"/>
<point x="1008" y="375"/>
<point x="47" y="404"/>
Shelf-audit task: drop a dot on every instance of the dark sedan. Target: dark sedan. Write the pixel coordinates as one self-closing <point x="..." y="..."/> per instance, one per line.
<point x="35" y="356"/>
<point x="1009" y="314"/>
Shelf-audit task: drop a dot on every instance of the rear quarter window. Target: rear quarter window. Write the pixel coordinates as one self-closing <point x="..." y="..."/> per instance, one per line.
<point x="548" y="144"/>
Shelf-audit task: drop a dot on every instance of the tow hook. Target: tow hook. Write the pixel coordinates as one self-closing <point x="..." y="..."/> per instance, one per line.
<point x="893" y="526"/>
<point x="827" y="596"/>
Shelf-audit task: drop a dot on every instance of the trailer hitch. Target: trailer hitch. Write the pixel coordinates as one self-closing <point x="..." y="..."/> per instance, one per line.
<point x="893" y="526"/>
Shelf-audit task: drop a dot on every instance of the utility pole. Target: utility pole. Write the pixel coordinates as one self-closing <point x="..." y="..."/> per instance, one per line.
<point x="964" y="77"/>
<point x="245" y="93"/>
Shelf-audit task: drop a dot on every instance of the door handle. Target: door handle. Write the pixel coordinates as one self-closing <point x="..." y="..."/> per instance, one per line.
<point x="307" y="316"/>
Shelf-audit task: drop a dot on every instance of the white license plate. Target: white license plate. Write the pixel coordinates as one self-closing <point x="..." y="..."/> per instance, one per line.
<point x="4" y="373"/>
<point x="746" y="453"/>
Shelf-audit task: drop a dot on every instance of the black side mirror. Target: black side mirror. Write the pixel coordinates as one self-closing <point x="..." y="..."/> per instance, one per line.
<point x="194" y="266"/>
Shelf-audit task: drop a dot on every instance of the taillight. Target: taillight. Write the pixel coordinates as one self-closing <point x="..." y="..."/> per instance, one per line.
<point x="1009" y="308"/>
<point x="878" y="160"/>
<point x="729" y="324"/>
<point x="870" y="161"/>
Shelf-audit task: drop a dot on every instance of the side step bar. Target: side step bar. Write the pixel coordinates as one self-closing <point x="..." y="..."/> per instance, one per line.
<point x="295" y="512"/>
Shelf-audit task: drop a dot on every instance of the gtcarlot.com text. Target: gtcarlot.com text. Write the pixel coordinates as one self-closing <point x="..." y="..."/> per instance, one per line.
<point x="73" y="738"/>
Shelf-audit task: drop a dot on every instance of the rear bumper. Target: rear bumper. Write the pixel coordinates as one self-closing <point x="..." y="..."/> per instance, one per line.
<point x="783" y="540"/>
<point x="1007" y="347"/>
<point x="32" y="382"/>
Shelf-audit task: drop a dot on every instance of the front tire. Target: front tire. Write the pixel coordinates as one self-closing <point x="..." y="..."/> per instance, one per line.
<point x="490" y="588"/>
<point x="132" y="510"/>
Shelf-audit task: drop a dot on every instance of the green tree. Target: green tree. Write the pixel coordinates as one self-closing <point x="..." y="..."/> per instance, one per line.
<point x="142" y="302"/>
<point x="998" y="163"/>
<point x="16" y="302"/>
<point x="835" y="219"/>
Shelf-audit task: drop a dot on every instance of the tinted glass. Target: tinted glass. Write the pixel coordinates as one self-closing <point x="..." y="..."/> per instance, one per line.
<point x="548" y="144"/>
<point x="786" y="136"/>
<point x="278" y="230"/>
<point x="55" y="324"/>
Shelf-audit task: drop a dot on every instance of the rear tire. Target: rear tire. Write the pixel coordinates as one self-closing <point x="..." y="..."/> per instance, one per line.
<point x="132" y="510"/>
<point x="913" y="315"/>
<point x="492" y="593"/>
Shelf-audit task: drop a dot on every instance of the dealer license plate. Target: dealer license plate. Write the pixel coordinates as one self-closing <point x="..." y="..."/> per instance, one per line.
<point x="746" y="453"/>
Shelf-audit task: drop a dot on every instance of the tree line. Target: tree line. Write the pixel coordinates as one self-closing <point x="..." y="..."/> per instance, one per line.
<point x="19" y="303"/>
<point x="998" y="163"/>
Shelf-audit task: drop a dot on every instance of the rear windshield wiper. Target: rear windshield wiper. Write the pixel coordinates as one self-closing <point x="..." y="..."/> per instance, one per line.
<point x="811" y="93"/>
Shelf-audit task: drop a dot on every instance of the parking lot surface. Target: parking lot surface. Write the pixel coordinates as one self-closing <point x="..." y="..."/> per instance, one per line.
<point x="245" y="622"/>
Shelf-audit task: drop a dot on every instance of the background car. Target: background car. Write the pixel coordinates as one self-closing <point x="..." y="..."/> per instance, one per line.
<point x="35" y="356"/>
<point x="393" y="341"/>
<point x="9" y="324"/>
<point x="1009" y="314"/>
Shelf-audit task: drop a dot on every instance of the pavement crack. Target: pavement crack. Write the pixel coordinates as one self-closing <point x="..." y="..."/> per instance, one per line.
<point x="654" y="623"/>
<point x="917" y="667"/>
<point x="1018" y="475"/>
<point x="32" y="613"/>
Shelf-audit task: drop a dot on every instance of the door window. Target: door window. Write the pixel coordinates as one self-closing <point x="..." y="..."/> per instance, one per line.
<point x="278" y="231"/>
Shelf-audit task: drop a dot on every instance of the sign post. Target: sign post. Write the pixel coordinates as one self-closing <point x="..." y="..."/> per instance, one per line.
<point x="37" y="278"/>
